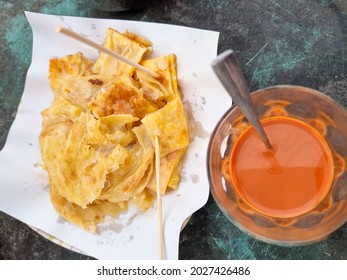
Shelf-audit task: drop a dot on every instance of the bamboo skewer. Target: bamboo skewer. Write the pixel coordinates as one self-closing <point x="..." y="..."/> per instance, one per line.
<point x="159" y="200"/>
<point x="101" y="48"/>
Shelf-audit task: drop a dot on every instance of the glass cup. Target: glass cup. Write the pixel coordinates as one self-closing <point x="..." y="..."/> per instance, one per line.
<point x="318" y="111"/>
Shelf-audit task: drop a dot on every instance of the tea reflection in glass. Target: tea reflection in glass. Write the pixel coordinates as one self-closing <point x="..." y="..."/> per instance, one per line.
<point x="288" y="180"/>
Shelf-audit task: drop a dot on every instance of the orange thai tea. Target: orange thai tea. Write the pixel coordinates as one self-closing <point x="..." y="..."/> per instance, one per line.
<point x="291" y="178"/>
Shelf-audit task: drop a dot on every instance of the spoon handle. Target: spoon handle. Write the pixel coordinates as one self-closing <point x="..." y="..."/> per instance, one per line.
<point x="228" y="70"/>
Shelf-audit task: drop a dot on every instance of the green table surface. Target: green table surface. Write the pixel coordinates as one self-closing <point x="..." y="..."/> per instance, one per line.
<point x="299" y="42"/>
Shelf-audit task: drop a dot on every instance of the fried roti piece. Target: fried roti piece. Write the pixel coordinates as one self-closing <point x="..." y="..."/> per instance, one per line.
<point x="167" y="166"/>
<point x="133" y="177"/>
<point x="170" y="125"/>
<point x="144" y="199"/>
<point x="82" y="90"/>
<point x="74" y="143"/>
<point x="152" y="89"/>
<point x="88" y="217"/>
<point x="124" y="97"/>
<point x="74" y="65"/>
<point x="126" y="47"/>
<point x="165" y="66"/>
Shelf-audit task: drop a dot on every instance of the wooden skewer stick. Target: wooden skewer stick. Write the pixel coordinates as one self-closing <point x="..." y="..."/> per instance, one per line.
<point x="159" y="200"/>
<point x="101" y="48"/>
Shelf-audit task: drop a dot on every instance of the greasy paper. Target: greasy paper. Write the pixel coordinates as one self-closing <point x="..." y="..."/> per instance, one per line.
<point x="133" y="235"/>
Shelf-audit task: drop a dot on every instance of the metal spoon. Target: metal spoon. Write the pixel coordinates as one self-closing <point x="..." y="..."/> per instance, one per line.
<point x="228" y="70"/>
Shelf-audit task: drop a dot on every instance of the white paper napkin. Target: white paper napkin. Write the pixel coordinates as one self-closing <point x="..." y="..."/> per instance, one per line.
<point x="23" y="184"/>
